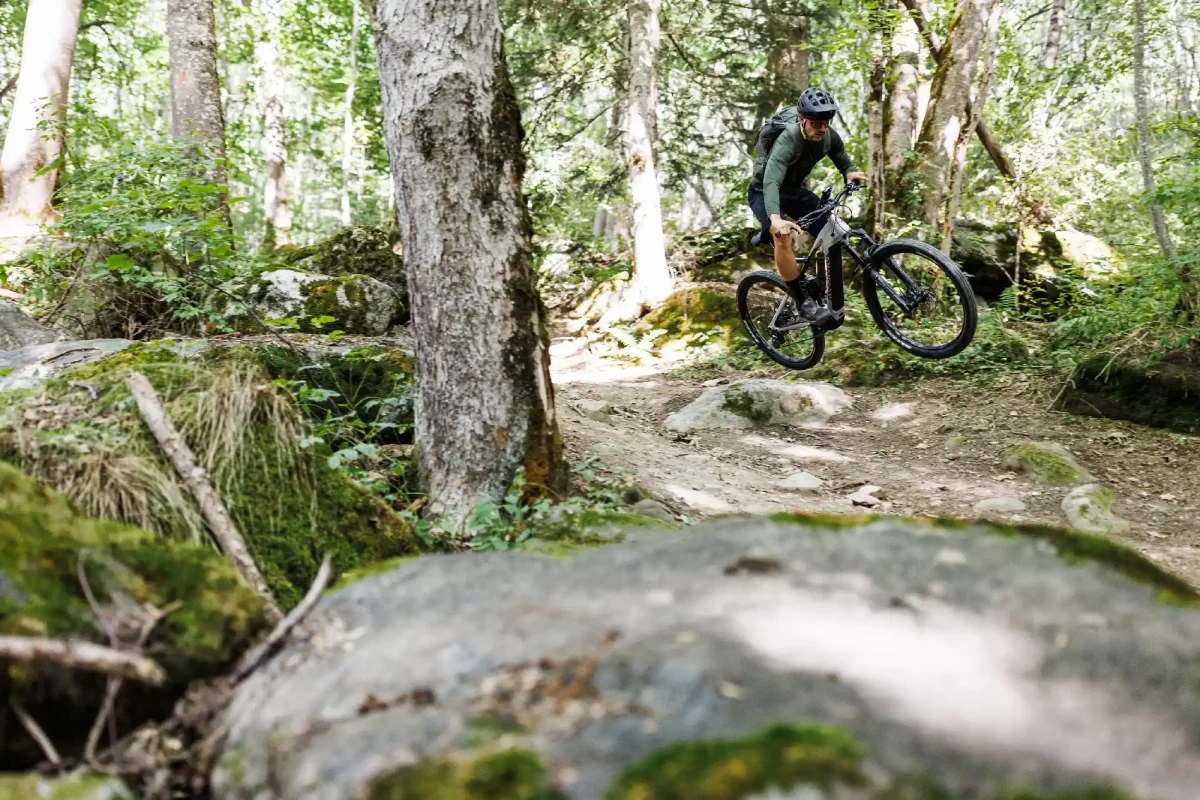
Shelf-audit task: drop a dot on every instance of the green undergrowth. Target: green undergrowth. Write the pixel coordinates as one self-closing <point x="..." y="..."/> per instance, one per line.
<point x="80" y="787"/>
<point x="1072" y="546"/>
<point x="44" y="544"/>
<point x="1045" y="462"/>
<point x="283" y="484"/>
<point x="508" y="774"/>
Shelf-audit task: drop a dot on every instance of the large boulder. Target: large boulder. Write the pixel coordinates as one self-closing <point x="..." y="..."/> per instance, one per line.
<point x="72" y="787"/>
<point x="359" y="250"/>
<point x="1051" y="259"/>
<point x="44" y="544"/>
<point x="1047" y="462"/>
<point x="742" y="658"/>
<point x="1161" y="390"/>
<point x="34" y="364"/>
<point x="247" y="411"/>
<point x="312" y="303"/>
<point x="757" y="403"/>
<point x="18" y="329"/>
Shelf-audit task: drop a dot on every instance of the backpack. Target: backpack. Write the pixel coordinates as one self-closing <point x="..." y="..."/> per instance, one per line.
<point x="770" y="132"/>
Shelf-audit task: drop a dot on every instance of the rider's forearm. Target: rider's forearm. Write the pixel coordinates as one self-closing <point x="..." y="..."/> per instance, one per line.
<point x="771" y="198"/>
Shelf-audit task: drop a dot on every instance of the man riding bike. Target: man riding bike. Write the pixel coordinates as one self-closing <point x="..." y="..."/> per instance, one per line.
<point x="789" y="146"/>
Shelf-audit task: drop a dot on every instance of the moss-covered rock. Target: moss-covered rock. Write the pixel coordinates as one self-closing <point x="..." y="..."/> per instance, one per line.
<point x="573" y="530"/>
<point x="312" y="303"/>
<point x="780" y="757"/>
<point x="694" y="316"/>
<point x="43" y="545"/>
<point x="508" y="774"/>
<point x="289" y="502"/>
<point x="1049" y="462"/>
<point x="79" y="787"/>
<point x="1162" y="391"/>
<point x="358" y="250"/>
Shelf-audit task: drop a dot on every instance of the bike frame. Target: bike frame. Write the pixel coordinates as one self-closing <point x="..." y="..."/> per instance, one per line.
<point x="835" y="236"/>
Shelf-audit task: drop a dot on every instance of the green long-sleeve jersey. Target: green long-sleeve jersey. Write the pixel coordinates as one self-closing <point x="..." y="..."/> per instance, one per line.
<point x="792" y="159"/>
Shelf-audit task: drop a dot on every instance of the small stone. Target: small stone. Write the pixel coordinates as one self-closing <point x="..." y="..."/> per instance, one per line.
<point x="1089" y="509"/>
<point x="801" y="482"/>
<point x="654" y="510"/>
<point x="866" y="497"/>
<point x="1049" y="462"/>
<point x="999" y="505"/>
<point x="598" y="410"/>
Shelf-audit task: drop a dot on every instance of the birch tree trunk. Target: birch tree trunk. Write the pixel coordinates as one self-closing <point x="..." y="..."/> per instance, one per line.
<point x="348" y="115"/>
<point x="875" y="125"/>
<point x="1054" y="34"/>
<point x="277" y="210"/>
<point x="485" y="405"/>
<point x="651" y="278"/>
<point x="47" y="53"/>
<point x="901" y="120"/>
<point x="949" y="102"/>
<point x="196" y="112"/>
<point x="1157" y="221"/>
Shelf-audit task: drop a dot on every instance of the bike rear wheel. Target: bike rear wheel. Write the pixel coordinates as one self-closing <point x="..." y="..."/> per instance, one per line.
<point x="774" y="323"/>
<point x="941" y="316"/>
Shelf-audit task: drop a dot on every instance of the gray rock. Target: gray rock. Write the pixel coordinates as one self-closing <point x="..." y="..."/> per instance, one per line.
<point x="598" y="410"/>
<point x="358" y="304"/>
<point x="974" y="672"/>
<point x="753" y="403"/>
<point x="1048" y="462"/>
<point x="653" y="509"/>
<point x="73" y="787"/>
<point x="801" y="482"/>
<point x="1089" y="509"/>
<point x="999" y="505"/>
<point x="18" y="329"/>
<point x="865" y="496"/>
<point x="29" y="366"/>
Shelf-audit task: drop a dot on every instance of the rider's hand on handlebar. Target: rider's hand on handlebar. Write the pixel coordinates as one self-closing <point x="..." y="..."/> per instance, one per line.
<point x="858" y="179"/>
<point x="782" y="227"/>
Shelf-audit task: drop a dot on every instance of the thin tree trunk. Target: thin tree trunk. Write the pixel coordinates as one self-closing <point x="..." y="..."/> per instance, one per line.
<point x="977" y="101"/>
<point x="876" y="156"/>
<point x="277" y="210"/>
<point x="348" y="115"/>
<point x="485" y="404"/>
<point x="949" y="102"/>
<point x="196" y="113"/>
<point x="47" y="53"/>
<point x="651" y="277"/>
<point x="1054" y="34"/>
<point x="1157" y="221"/>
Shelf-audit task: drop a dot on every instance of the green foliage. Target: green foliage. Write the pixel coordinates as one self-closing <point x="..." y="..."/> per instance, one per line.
<point x="508" y="774"/>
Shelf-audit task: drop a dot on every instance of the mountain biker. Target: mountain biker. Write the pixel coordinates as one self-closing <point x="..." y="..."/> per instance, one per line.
<point x="777" y="188"/>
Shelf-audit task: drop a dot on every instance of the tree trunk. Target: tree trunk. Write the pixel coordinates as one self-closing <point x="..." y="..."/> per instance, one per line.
<point x="1143" y="127"/>
<point x="276" y="208"/>
<point x="788" y="61"/>
<point x="348" y="115"/>
<point x="902" y="116"/>
<point x="1054" y="34"/>
<point x="47" y="53"/>
<point x="975" y="105"/>
<point x="196" y="112"/>
<point x="875" y="125"/>
<point x="949" y="102"/>
<point x="651" y="278"/>
<point x="485" y="405"/>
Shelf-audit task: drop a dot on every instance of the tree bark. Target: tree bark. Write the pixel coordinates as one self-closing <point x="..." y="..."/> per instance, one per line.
<point x="949" y="102"/>
<point x="1141" y="109"/>
<point x="876" y="154"/>
<point x="47" y="54"/>
<point x="348" y="115"/>
<point x="1054" y="34"/>
<point x="788" y="61"/>
<point x="651" y="277"/>
<point x="277" y="210"/>
<point x="196" y="113"/>
<point x="485" y="404"/>
<point x="975" y="105"/>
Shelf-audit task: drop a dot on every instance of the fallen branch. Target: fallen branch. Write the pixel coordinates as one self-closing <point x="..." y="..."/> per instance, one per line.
<point x="255" y="657"/>
<point x="35" y="731"/>
<point x="211" y="506"/>
<point x="81" y="655"/>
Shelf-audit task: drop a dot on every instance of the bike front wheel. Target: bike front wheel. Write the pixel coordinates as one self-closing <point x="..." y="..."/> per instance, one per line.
<point x="920" y="299"/>
<point x="771" y="319"/>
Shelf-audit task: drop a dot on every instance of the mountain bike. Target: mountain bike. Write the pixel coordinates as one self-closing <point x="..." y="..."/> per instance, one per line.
<point x="917" y="296"/>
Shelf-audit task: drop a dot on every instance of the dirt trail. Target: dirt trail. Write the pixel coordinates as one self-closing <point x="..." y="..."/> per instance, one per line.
<point x="934" y="449"/>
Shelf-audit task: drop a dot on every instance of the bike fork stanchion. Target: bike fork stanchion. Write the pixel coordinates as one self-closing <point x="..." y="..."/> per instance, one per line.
<point x="837" y="292"/>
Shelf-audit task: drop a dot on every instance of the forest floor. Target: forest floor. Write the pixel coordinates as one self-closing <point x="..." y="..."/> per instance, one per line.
<point x="934" y="448"/>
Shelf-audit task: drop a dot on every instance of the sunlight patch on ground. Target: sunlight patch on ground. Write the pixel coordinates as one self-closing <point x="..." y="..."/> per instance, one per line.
<point x="796" y="452"/>
<point x="698" y="499"/>
<point x="893" y="411"/>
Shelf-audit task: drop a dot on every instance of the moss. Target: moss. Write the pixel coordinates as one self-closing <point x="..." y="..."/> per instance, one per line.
<point x="377" y="568"/>
<point x="509" y="774"/>
<point x="746" y="404"/>
<point x="82" y="787"/>
<point x="691" y="313"/>
<point x="1046" y="461"/>
<point x="587" y="528"/>
<point x="726" y="269"/>
<point x="356" y="250"/>
<point x="1085" y="793"/>
<point x="781" y="756"/>
<point x="825" y="520"/>
<point x="41" y="543"/>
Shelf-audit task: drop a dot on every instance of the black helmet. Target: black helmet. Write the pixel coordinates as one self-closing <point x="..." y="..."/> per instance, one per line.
<point x="816" y="104"/>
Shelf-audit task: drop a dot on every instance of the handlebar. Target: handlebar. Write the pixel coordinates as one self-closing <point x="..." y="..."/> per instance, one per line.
<point x="828" y="204"/>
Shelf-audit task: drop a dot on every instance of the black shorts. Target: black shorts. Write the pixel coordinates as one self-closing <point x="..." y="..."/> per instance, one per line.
<point x="792" y="208"/>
